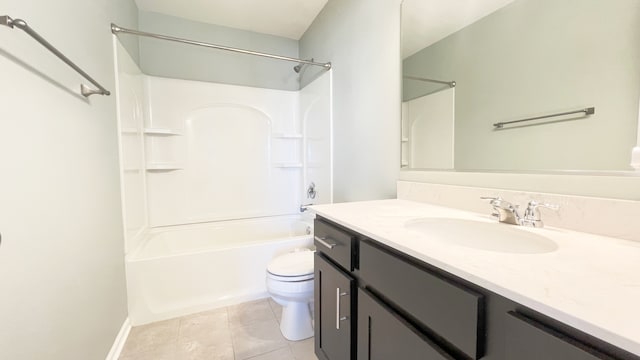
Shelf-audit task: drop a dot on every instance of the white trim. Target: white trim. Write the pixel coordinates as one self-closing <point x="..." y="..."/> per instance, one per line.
<point x="118" y="344"/>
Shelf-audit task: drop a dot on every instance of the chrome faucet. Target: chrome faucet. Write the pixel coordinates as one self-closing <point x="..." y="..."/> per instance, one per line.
<point x="532" y="214"/>
<point x="507" y="212"/>
<point x="503" y="210"/>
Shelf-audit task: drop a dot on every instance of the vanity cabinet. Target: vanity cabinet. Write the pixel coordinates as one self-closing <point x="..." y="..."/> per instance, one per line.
<point x="402" y="308"/>
<point x="528" y="339"/>
<point x="333" y="290"/>
<point x="383" y="334"/>
<point x="445" y="309"/>
<point x="335" y="297"/>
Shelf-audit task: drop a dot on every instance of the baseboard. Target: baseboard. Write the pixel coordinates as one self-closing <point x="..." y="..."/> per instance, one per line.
<point x="118" y="344"/>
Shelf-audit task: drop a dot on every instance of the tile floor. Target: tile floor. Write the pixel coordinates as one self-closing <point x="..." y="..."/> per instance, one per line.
<point x="246" y="331"/>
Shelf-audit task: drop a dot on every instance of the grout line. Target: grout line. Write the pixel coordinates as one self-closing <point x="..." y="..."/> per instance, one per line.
<point x="268" y="352"/>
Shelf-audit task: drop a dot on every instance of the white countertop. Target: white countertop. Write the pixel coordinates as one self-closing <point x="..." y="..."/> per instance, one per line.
<point x="590" y="282"/>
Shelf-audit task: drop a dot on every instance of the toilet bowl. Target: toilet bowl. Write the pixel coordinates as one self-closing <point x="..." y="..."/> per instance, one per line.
<point x="290" y="284"/>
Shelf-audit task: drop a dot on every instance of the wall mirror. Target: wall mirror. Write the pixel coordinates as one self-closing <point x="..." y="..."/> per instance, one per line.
<point x="470" y="65"/>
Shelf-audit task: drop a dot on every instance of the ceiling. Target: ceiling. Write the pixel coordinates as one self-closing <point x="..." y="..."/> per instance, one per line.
<point x="424" y="22"/>
<point x="286" y="18"/>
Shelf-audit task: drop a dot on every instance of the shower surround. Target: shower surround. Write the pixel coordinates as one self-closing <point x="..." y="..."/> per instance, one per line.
<point x="199" y="152"/>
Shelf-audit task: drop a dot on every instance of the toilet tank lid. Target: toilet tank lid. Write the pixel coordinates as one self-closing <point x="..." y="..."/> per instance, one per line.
<point x="295" y="263"/>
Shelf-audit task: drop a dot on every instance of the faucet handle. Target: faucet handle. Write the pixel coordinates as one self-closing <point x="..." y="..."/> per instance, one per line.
<point x="532" y="214"/>
<point x="499" y="202"/>
<point x="495" y="202"/>
<point x="534" y="205"/>
<point x="490" y="198"/>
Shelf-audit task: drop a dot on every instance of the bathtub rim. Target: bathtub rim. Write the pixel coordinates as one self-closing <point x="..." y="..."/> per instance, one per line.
<point x="136" y="254"/>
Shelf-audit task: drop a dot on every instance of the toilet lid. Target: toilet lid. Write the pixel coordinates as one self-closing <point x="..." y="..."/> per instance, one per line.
<point x="295" y="263"/>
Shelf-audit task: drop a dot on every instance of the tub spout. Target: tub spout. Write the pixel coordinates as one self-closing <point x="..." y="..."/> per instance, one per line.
<point x="304" y="207"/>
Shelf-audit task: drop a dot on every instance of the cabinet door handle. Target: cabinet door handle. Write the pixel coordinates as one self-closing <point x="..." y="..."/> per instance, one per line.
<point x="324" y="242"/>
<point x="338" y="317"/>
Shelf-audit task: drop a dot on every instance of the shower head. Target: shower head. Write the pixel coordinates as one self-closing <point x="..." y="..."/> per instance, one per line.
<point x="299" y="67"/>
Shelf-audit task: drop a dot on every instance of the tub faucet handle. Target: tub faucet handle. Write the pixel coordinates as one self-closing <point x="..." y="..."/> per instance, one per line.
<point x="311" y="191"/>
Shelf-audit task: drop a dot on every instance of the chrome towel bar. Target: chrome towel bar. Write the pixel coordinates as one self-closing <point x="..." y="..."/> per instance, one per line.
<point x="586" y="111"/>
<point x="6" y="20"/>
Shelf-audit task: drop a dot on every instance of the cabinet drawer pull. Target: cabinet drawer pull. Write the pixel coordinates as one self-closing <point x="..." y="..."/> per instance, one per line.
<point x="338" y="317"/>
<point x="323" y="241"/>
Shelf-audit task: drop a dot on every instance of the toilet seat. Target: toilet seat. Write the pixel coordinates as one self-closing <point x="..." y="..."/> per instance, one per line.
<point x="290" y="278"/>
<point x="290" y="283"/>
<point x="292" y="267"/>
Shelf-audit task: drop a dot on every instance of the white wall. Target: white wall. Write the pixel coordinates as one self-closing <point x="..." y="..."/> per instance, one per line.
<point x="61" y="260"/>
<point x="181" y="61"/>
<point x="362" y="40"/>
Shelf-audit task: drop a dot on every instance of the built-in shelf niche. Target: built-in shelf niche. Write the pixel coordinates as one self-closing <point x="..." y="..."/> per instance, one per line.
<point x="163" y="149"/>
<point x="162" y="132"/>
<point x="163" y="166"/>
<point x="287" y="150"/>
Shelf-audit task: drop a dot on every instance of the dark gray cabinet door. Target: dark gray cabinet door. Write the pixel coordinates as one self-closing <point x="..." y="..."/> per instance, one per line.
<point x="383" y="335"/>
<point x="530" y="340"/>
<point x="333" y="304"/>
<point x="449" y="309"/>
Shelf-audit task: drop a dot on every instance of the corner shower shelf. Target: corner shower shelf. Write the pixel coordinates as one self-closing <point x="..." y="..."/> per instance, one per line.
<point x="405" y="139"/>
<point x="163" y="167"/>
<point x="161" y="132"/>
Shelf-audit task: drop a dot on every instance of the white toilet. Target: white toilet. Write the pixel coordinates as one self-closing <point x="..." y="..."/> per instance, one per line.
<point x="290" y="283"/>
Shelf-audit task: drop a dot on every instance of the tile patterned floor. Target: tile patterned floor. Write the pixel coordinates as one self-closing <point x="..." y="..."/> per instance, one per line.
<point x="246" y="331"/>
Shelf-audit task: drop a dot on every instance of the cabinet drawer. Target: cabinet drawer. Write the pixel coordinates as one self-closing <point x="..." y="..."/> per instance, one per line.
<point x="527" y="339"/>
<point x="453" y="313"/>
<point x="336" y="244"/>
<point x="383" y="335"/>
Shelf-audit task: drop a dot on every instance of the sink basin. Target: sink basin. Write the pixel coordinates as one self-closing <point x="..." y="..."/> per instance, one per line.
<point x="482" y="235"/>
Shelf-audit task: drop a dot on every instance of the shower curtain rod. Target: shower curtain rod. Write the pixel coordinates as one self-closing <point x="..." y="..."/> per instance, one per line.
<point x="115" y="29"/>
<point x="451" y="84"/>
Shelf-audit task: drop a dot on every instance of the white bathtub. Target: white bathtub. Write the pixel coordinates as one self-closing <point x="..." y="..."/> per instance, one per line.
<point x="184" y="269"/>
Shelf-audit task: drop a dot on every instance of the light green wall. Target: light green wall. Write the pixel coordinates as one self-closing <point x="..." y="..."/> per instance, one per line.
<point x="181" y="61"/>
<point x="509" y="65"/>
<point x="62" y="281"/>
<point x="361" y="38"/>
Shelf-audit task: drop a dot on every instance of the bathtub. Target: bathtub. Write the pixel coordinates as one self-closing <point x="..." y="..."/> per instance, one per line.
<point x="179" y="270"/>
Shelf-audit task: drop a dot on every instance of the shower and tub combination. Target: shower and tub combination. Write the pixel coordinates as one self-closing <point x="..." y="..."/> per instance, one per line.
<point x="213" y="176"/>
